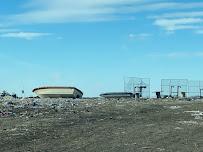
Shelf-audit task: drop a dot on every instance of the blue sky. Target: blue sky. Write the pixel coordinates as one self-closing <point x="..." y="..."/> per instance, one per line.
<point x="94" y="44"/>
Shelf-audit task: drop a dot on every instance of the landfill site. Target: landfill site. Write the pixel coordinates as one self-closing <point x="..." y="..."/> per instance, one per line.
<point x="120" y="121"/>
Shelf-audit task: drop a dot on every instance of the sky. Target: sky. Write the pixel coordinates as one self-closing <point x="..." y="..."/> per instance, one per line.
<point x="94" y="44"/>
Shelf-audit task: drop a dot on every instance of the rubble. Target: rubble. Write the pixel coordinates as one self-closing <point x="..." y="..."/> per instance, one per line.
<point x="8" y="107"/>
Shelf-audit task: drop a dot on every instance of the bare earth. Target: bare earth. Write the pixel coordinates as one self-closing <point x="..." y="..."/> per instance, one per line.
<point x="95" y="125"/>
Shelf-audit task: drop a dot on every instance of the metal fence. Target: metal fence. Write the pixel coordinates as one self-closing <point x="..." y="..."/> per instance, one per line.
<point x="174" y="87"/>
<point x="195" y="88"/>
<point x="183" y="88"/>
<point x="139" y="86"/>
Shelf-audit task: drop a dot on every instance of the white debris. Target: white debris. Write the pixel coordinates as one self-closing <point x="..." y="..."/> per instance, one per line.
<point x="175" y="107"/>
<point x="178" y="128"/>
<point x="198" y="115"/>
<point x="189" y="122"/>
<point x="193" y="112"/>
<point x="160" y="149"/>
<point x="149" y="125"/>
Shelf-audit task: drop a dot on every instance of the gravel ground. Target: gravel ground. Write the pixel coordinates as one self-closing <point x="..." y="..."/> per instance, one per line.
<point x="101" y="125"/>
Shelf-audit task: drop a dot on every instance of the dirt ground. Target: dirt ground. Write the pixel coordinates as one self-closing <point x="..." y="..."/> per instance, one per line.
<point x="120" y="126"/>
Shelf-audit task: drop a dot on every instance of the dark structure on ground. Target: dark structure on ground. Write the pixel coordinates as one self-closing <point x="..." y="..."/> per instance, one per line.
<point x="158" y="94"/>
<point x="117" y="95"/>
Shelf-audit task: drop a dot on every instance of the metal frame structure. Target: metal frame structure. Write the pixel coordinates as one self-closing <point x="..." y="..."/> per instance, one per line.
<point x="174" y="87"/>
<point x="140" y="87"/>
<point x="195" y="88"/>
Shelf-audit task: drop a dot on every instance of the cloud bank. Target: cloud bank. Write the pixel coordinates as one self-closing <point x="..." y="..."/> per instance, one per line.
<point x="170" y="16"/>
<point x="23" y="35"/>
<point x="60" y="11"/>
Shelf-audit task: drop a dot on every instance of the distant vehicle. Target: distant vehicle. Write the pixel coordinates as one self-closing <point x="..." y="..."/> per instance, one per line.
<point x="58" y="92"/>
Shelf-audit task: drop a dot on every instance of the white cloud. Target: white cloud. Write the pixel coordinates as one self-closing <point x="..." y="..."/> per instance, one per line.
<point x="179" y="23"/>
<point x="24" y="35"/>
<point x="188" y="14"/>
<point x="163" y="6"/>
<point x="62" y="11"/>
<point x="57" y="11"/>
<point x="186" y="20"/>
<point x="140" y="36"/>
<point x="54" y="11"/>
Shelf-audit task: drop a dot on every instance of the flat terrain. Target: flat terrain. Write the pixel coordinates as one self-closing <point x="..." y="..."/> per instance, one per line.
<point x="97" y="125"/>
